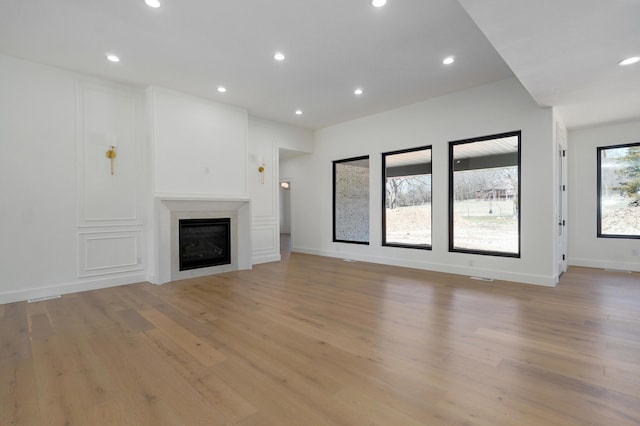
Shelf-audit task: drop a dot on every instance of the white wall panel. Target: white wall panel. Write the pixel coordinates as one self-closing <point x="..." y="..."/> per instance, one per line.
<point x="265" y="243"/>
<point x="109" y="252"/>
<point x="37" y="176"/>
<point x="54" y="190"/>
<point x="199" y="146"/>
<point x="108" y="117"/>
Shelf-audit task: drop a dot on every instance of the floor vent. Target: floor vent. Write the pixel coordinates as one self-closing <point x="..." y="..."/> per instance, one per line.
<point x="42" y="299"/>
<point x="481" y="278"/>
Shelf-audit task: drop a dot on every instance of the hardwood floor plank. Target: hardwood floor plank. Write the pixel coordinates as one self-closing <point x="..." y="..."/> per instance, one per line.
<point x="587" y="403"/>
<point x="196" y="346"/>
<point x="218" y="393"/>
<point x="151" y="392"/>
<point x="134" y="320"/>
<point x="318" y="341"/>
<point x="14" y="334"/>
<point x="372" y="410"/>
<point x="40" y="326"/>
<point x="18" y="393"/>
<point x="72" y="381"/>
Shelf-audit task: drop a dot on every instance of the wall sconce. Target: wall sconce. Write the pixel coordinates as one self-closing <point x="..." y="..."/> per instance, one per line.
<point x="261" y="171"/>
<point x="111" y="155"/>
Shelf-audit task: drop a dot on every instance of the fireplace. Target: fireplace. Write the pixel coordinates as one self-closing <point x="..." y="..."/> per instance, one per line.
<point x="171" y="211"/>
<point x="204" y="242"/>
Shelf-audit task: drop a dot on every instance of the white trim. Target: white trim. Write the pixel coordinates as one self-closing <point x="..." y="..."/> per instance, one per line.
<point x="67" y="288"/>
<point x="604" y="264"/>
<point x="542" y="280"/>
<point x="267" y="258"/>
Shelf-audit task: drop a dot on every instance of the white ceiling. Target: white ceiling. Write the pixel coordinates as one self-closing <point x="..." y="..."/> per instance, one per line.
<point x="394" y="53"/>
<point x="565" y="53"/>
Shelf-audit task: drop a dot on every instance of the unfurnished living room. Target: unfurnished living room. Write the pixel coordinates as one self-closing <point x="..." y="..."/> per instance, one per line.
<point x="401" y="212"/>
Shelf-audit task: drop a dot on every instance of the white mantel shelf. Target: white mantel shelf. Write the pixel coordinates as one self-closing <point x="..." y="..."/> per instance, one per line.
<point x="200" y="200"/>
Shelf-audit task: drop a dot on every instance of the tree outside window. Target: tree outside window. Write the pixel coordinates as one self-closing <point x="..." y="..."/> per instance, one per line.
<point x="619" y="191"/>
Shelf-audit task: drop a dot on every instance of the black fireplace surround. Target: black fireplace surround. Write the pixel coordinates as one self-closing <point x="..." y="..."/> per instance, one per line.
<point x="204" y="242"/>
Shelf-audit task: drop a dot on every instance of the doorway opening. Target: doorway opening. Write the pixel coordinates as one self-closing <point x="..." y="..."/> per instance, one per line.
<point x="285" y="218"/>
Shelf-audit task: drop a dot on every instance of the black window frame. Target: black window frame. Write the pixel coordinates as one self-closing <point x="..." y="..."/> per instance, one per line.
<point x="599" y="233"/>
<point x="335" y="163"/>
<point x="384" y="195"/>
<point x="452" y="144"/>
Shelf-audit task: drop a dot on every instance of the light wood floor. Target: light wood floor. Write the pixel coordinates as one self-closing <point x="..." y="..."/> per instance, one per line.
<point x="319" y="341"/>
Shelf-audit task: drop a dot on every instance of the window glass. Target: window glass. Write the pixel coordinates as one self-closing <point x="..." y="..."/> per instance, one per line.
<point x="484" y="195"/>
<point x="619" y="191"/>
<point x="351" y="200"/>
<point x="406" y="214"/>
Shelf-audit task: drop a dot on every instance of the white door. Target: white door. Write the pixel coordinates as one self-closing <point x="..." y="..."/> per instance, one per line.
<point x="562" y="201"/>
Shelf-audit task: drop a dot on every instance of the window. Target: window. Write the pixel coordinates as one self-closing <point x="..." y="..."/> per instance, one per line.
<point x="351" y="200"/>
<point x="484" y="195"/>
<point x="619" y="191"/>
<point x="406" y="210"/>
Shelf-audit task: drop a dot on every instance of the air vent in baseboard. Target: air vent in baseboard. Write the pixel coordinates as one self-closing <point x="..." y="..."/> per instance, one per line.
<point x="481" y="278"/>
<point x="42" y="299"/>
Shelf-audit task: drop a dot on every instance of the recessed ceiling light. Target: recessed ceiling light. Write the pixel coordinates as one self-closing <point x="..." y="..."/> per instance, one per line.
<point x="298" y="112"/>
<point x="113" y="58"/>
<point x="448" y="60"/>
<point x="222" y="89"/>
<point x="358" y="91"/>
<point x="152" y="3"/>
<point x="629" y="61"/>
<point x="378" y="3"/>
<point x="278" y="56"/>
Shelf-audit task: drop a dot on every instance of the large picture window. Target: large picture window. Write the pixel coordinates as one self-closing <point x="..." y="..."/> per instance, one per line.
<point x="619" y="191"/>
<point x="484" y="195"/>
<point x="406" y="211"/>
<point x="351" y="200"/>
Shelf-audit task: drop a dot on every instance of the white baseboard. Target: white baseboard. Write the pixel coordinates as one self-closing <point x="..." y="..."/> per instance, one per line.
<point x="67" y="288"/>
<point x="542" y="280"/>
<point x="605" y="264"/>
<point x="266" y="258"/>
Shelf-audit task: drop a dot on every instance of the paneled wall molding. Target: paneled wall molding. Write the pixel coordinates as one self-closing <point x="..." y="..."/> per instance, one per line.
<point x="265" y="220"/>
<point x="265" y="243"/>
<point x="266" y="192"/>
<point x="109" y="190"/>
<point x="109" y="252"/>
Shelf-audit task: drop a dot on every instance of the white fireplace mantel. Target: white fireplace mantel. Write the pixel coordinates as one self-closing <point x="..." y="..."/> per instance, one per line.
<point x="168" y="208"/>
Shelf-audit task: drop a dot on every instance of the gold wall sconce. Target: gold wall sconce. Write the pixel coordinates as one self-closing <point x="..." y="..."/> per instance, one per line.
<point x="261" y="171"/>
<point x="111" y="155"/>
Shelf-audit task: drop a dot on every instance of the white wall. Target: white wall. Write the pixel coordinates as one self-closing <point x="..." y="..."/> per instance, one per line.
<point x="266" y="138"/>
<point x="66" y="224"/>
<point x="199" y="146"/>
<point x="198" y="149"/>
<point x="495" y="108"/>
<point x="584" y="248"/>
<point x="86" y="229"/>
